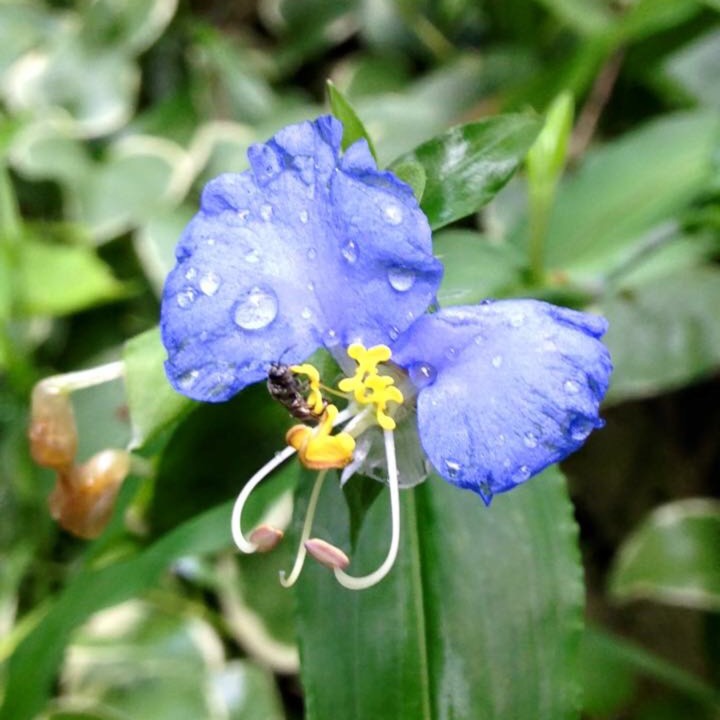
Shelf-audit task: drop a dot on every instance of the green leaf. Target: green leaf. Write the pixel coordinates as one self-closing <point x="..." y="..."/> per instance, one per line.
<point x="466" y="166"/>
<point x="353" y="128"/>
<point x="663" y="333"/>
<point x="62" y="279"/>
<point x="673" y="557"/>
<point x="475" y="269"/>
<point x="693" y="69"/>
<point x="589" y="17"/>
<point x="154" y="405"/>
<point x="611" y="665"/>
<point x="148" y="662"/>
<point x="32" y="667"/>
<point x="480" y="617"/>
<point x="413" y="174"/>
<point x="627" y="188"/>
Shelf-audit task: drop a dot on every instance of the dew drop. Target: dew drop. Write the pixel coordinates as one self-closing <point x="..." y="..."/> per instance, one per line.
<point x="266" y="212"/>
<point x="209" y="283"/>
<point x="211" y="241"/>
<point x="191" y="274"/>
<point x="530" y="440"/>
<point x="580" y="428"/>
<point x="501" y="439"/>
<point x="571" y="387"/>
<point x="188" y="379"/>
<point x="487" y="301"/>
<point x="306" y="313"/>
<point x="521" y="474"/>
<point x="452" y="467"/>
<point x="311" y="286"/>
<point x="349" y="251"/>
<point x="303" y="216"/>
<point x="394" y="333"/>
<point x="311" y="253"/>
<point x="517" y="319"/>
<point x="256" y="309"/>
<point x="393" y="214"/>
<point x="330" y="337"/>
<point x="186" y="298"/>
<point x="401" y="279"/>
<point x="252" y="256"/>
<point x="497" y="361"/>
<point x="422" y="374"/>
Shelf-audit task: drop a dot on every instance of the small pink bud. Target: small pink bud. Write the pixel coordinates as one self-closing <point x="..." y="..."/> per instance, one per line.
<point x="327" y="554"/>
<point x="265" y="537"/>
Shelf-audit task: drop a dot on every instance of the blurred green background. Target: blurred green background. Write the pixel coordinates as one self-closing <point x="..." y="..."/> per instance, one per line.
<point x="113" y="113"/>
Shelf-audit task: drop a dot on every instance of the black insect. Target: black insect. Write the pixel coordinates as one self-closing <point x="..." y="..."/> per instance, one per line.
<point x="290" y="391"/>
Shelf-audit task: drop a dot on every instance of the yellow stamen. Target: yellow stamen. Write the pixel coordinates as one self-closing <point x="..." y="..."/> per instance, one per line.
<point x="317" y="448"/>
<point x="314" y="398"/>
<point x="368" y="386"/>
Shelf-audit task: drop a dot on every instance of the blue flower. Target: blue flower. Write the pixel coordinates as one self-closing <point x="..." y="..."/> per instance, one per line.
<point x="306" y="249"/>
<point x="310" y="249"/>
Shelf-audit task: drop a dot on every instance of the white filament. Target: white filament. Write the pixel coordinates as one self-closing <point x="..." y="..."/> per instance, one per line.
<point x="367" y="581"/>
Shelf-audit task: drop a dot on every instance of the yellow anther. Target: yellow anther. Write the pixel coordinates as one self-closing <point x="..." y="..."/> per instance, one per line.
<point x="317" y="448"/>
<point x="314" y="398"/>
<point x="368" y="386"/>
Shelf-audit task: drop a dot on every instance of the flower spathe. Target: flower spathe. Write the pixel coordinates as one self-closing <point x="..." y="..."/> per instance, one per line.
<point x="310" y="248"/>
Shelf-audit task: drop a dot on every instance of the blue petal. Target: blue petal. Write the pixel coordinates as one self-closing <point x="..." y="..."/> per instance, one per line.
<point x="506" y="388"/>
<point x="305" y="249"/>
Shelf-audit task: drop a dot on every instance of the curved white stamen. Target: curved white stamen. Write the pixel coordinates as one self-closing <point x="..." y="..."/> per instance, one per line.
<point x="305" y="535"/>
<point x="366" y="581"/>
<point x="81" y="379"/>
<point x="235" y="523"/>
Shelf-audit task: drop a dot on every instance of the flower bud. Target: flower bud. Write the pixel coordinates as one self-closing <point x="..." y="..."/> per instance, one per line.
<point x="52" y="432"/>
<point x="84" y="496"/>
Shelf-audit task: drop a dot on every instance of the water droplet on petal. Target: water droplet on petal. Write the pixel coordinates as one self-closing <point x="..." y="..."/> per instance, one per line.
<point x="530" y="440"/>
<point x="501" y="439"/>
<point x="311" y="286"/>
<point x="349" y="251"/>
<point x="452" y="468"/>
<point x="487" y="301"/>
<point x="422" y="374"/>
<point x="211" y="241"/>
<point x="186" y="298"/>
<point x="243" y="214"/>
<point x="497" y="361"/>
<point x="330" y="337"/>
<point x="266" y="212"/>
<point x="311" y="253"/>
<point x="306" y="313"/>
<point x="188" y="379"/>
<point x="252" y="256"/>
<point x="394" y="333"/>
<point x="191" y="274"/>
<point x="451" y="353"/>
<point x="521" y="474"/>
<point x="209" y="283"/>
<point x="256" y="309"/>
<point x="517" y="319"/>
<point x="303" y="216"/>
<point x="571" y="387"/>
<point x="401" y="279"/>
<point x="393" y="214"/>
<point x="581" y="427"/>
